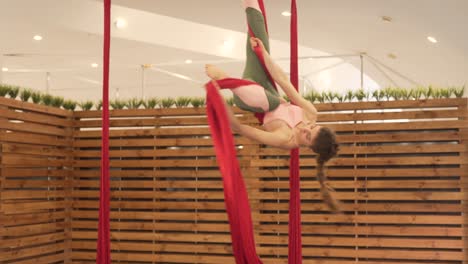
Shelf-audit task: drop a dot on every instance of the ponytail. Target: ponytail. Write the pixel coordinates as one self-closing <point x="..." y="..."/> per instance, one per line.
<point x="325" y="189"/>
<point x="326" y="147"/>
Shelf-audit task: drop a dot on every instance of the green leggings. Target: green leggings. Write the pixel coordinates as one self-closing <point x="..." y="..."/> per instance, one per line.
<point x="253" y="68"/>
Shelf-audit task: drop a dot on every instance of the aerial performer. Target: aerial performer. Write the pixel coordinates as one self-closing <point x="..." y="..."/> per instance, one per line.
<point x="285" y="125"/>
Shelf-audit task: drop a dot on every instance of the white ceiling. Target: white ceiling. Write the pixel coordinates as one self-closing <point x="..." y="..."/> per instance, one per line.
<point x="167" y="32"/>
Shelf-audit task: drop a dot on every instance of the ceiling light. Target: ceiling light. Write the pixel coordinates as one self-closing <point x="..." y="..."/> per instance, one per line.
<point x="37" y="37"/>
<point x="432" y="39"/>
<point x="188" y="61"/>
<point x="120" y="23"/>
<point x="286" y="13"/>
<point x="94" y="65"/>
<point x="4" y="69"/>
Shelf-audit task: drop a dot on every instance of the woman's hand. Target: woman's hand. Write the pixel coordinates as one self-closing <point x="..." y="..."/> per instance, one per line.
<point x="256" y="42"/>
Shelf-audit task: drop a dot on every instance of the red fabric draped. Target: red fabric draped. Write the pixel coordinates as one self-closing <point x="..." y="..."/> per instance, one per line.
<point x="235" y="194"/>
<point x="295" y="241"/>
<point x="103" y="243"/>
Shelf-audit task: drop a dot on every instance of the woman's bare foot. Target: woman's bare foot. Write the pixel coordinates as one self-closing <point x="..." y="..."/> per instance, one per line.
<point x="214" y="72"/>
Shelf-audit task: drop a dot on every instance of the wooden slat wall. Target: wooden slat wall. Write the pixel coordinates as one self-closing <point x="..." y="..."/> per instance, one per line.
<point x="401" y="176"/>
<point x="36" y="148"/>
<point x="398" y="175"/>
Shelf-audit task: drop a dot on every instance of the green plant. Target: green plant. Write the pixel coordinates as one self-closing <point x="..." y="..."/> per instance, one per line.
<point x="360" y="95"/>
<point x="166" y="102"/>
<point x="150" y="103"/>
<point x="47" y="99"/>
<point x="230" y="101"/>
<point x="445" y="92"/>
<point x="286" y="98"/>
<point x="339" y="97"/>
<point x="406" y="94"/>
<point x="458" y="92"/>
<point x="69" y="105"/>
<point x="385" y="93"/>
<point x="436" y="94"/>
<point x="182" y="101"/>
<point x="324" y="96"/>
<point x="320" y="98"/>
<point x="86" y="106"/>
<point x="13" y="92"/>
<point x="396" y="93"/>
<point x="36" y="97"/>
<point x="427" y="92"/>
<point x="311" y="96"/>
<point x="198" y="102"/>
<point x="25" y="95"/>
<point x="134" y="103"/>
<point x="378" y="95"/>
<point x="349" y="96"/>
<point x="417" y="92"/>
<point x="117" y="104"/>
<point x="99" y="105"/>
<point x="4" y="89"/>
<point x="57" y="101"/>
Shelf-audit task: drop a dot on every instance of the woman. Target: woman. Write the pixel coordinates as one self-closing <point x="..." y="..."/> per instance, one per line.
<point x="285" y="125"/>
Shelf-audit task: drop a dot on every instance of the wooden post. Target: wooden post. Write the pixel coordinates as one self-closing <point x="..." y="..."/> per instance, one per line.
<point x="2" y="181"/>
<point x="68" y="188"/>
<point x="464" y="178"/>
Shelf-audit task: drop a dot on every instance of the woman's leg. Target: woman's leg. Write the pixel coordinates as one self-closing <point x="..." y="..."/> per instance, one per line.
<point x="252" y="97"/>
<point x="253" y="69"/>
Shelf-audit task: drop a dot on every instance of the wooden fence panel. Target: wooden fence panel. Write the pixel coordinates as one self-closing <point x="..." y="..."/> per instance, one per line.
<point x="36" y="165"/>
<point x="398" y="176"/>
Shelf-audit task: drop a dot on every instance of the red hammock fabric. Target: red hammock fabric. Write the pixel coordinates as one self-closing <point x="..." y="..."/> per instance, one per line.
<point x="103" y="242"/>
<point x="235" y="194"/>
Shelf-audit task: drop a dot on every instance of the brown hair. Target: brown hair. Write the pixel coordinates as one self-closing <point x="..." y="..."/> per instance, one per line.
<point x="326" y="147"/>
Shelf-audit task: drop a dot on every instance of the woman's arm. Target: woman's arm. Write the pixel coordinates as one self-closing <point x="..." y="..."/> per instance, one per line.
<point x="268" y="138"/>
<point x="280" y="77"/>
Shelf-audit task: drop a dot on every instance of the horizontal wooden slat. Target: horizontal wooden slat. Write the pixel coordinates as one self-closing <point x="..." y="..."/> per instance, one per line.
<point x="53" y="111"/>
<point x="309" y="218"/>
<point x="29" y="117"/>
<point x="34" y="128"/>
<point x="28" y="138"/>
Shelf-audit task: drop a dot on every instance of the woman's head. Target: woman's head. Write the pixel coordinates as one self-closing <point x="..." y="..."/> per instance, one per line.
<point x="324" y="144"/>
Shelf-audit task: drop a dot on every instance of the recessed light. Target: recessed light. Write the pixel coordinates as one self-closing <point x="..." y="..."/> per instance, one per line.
<point x="94" y="65"/>
<point x="188" y="61"/>
<point x="37" y="37"/>
<point x="286" y="13"/>
<point x="432" y="39"/>
<point x="120" y="23"/>
<point x="4" y="69"/>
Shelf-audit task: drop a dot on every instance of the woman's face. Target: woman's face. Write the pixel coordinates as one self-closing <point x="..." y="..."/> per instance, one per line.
<point x="308" y="134"/>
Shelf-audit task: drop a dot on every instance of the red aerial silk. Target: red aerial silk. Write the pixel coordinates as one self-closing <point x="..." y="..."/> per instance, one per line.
<point x="103" y="243"/>
<point x="295" y="242"/>
<point x="235" y="195"/>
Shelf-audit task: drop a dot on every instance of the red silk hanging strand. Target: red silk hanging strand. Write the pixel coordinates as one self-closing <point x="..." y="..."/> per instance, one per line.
<point x="103" y="243"/>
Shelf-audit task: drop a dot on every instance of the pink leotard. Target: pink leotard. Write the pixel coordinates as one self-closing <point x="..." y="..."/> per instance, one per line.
<point x="289" y="113"/>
